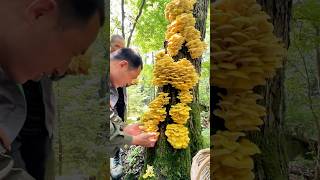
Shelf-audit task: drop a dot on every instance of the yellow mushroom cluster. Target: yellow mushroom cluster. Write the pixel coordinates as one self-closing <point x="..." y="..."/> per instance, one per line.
<point x="190" y="33"/>
<point x="182" y="22"/>
<point x="240" y="111"/>
<point x="175" y="44"/>
<point x="79" y="65"/>
<point x="245" y="54"/>
<point x="232" y="156"/>
<point x="160" y="55"/>
<point x="180" y="74"/>
<point x="185" y="97"/>
<point x="177" y="135"/>
<point x="149" y="172"/>
<point x="180" y="113"/>
<point x="196" y="48"/>
<point x="156" y="113"/>
<point x="182" y="29"/>
<point x="245" y="50"/>
<point x="177" y="7"/>
<point x="183" y="77"/>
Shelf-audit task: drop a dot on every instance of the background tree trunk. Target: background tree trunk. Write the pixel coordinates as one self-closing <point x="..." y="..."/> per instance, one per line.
<point x="60" y="148"/>
<point x="272" y="164"/>
<point x="170" y="163"/>
<point x="318" y="57"/>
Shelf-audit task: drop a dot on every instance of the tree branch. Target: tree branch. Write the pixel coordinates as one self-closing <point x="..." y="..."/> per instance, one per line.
<point x="123" y="17"/>
<point x="136" y="21"/>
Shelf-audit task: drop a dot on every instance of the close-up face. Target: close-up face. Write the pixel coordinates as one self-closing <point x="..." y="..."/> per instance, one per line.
<point x="118" y="43"/>
<point x="45" y="46"/>
<point x="122" y="75"/>
<point x="130" y="76"/>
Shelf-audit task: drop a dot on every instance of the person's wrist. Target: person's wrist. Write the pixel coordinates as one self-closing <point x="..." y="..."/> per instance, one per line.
<point x="128" y="139"/>
<point x="134" y="140"/>
<point x="125" y="130"/>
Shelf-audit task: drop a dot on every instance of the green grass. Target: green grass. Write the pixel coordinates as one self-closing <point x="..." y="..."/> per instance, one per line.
<point x="206" y="137"/>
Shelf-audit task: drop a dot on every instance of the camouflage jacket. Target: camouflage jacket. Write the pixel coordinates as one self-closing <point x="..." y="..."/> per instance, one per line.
<point x="116" y="135"/>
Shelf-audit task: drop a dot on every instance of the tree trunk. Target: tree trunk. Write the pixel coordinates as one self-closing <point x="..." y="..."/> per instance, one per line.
<point x="105" y="41"/>
<point x="196" y="142"/>
<point x="272" y="164"/>
<point x="170" y="163"/>
<point x="318" y="57"/>
<point x="103" y="86"/>
<point x="317" y="168"/>
<point x="60" y="145"/>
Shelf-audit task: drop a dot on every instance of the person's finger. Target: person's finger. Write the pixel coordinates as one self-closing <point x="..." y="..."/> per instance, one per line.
<point x="149" y="145"/>
<point x="141" y="127"/>
<point x="150" y="135"/>
<point x="153" y="138"/>
<point x="152" y="144"/>
<point x="136" y="125"/>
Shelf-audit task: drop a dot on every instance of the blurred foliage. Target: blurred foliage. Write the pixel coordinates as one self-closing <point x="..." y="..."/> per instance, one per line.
<point x="304" y="41"/>
<point x="206" y="141"/>
<point x="302" y="68"/>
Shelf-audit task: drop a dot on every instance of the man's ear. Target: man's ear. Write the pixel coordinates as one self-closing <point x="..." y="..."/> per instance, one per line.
<point x="39" y="8"/>
<point x="124" y="63"/>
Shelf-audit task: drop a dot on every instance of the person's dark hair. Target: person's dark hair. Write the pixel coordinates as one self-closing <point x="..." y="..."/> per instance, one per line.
<point x="81" y="10"/>
<point x="115" y="37"/>
<point x="127" y="54"/>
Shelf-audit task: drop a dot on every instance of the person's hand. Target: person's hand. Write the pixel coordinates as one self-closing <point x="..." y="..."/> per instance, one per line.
<point x="4" y="140"/>
<point x="145" y="139"/>
<point x="133" y="129"/>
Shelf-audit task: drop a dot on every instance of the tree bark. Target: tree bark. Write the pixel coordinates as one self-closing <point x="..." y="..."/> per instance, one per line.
<point x="272" y="164"/>
<point x="60" y="148"/>
<point x="318" y="57"/>
<point x="200" y="12"/>
<point x="317" y="169"/>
